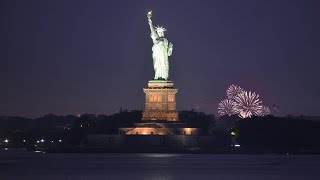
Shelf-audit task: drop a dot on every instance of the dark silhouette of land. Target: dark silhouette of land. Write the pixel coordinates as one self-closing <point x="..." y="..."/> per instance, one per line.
<point x="256" y="134"/>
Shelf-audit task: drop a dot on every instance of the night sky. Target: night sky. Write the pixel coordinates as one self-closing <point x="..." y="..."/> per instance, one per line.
<point x="70" y="57"/>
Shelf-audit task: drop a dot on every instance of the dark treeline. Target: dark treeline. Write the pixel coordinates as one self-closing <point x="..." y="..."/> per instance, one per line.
<point x="20" y="131"/>
<point x="198" y="120"/>
<point x="277" y="132"/>
<point x="73" y="129"/>
<point x="255" y="132"/>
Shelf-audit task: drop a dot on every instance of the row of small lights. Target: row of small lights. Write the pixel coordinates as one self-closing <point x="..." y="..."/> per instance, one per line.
<point x="42" y="140"/>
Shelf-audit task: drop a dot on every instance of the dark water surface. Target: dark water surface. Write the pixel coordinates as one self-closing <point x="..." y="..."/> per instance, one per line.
<point x="32" y="165"/>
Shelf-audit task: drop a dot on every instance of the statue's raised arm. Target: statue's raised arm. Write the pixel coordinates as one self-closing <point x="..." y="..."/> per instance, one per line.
<point x="154" y="35"/>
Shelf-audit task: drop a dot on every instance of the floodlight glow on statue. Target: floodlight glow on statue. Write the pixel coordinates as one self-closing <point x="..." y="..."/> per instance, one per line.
<point x="161" y="50"/>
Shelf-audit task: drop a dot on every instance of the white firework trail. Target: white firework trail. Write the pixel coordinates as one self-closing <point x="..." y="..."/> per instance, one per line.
<point x="227" y="107"/>
<point x="233" y="91"/>
<point x="248" y="104"/>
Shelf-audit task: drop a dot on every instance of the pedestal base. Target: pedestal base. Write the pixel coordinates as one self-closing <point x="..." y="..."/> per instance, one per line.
<point x="160" y="129"/>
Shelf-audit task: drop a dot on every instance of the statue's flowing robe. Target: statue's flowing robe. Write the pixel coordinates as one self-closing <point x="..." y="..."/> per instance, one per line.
<point x="160" y="53"/>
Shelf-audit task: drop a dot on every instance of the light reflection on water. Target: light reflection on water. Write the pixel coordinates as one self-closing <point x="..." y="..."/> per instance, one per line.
<point x="159" y="155"/>
<point x="156" y="166"/>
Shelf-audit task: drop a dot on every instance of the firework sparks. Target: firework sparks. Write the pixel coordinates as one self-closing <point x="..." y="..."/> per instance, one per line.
<point x="233" y="91"/>
<point x="227" y="107"/>
<point x="243" y="103"/>
<point x="264" y="111"/>
<point x="248" y="104"/>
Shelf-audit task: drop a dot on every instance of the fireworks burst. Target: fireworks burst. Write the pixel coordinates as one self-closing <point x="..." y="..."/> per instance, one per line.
<point x="248" y="104"/>
<point x="227" y="107"/>
<point x="233" y="91"/>
<point x="243" y="103"/>
<point x="264" y="111"/>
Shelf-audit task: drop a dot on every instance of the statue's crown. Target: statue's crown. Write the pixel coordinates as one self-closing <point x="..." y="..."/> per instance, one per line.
<point x="160" y="28"/>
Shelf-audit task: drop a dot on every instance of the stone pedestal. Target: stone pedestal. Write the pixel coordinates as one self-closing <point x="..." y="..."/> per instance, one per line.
<point x="160" y="101"/>
<point x="160" y="116"/>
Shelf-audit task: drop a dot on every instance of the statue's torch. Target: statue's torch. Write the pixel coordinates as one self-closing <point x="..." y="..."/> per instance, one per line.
<point x="149" y="15"/>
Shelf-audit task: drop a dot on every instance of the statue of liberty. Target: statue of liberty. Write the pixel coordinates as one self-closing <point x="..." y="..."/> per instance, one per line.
<point x="161" y="49"/>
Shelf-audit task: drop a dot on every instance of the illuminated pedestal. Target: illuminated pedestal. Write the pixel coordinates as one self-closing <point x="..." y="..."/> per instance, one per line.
<point x="160" y="101"/>
<point x="160" y="116"/>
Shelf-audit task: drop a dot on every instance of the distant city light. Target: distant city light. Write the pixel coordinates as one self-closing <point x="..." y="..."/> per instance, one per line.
<point x="42" y="140"/>
<point x="237" y="145"/>
<point x="6" y="140"/>
<point x="60" y="140"/>
<point x="38" y="141"/>
<point x="24" y="140"/>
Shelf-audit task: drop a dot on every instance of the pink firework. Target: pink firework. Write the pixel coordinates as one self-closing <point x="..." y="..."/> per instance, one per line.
<point x="233" y="91"/>
<point x="248" y="104"/>
<point x="264" y="111"/>
<point x="227" y="107"/>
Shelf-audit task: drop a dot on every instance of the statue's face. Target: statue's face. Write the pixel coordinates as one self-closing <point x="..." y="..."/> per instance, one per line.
<point x="160" y="33"/>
